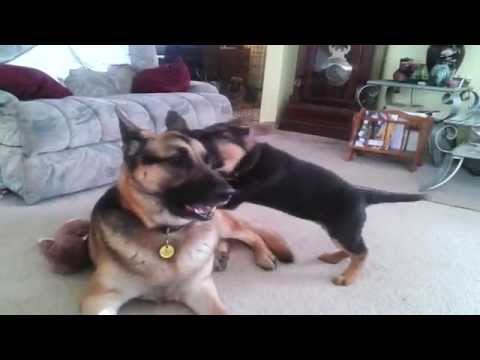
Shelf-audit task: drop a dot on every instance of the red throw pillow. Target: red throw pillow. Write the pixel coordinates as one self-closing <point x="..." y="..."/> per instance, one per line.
<point x="29" y="84"/>
<point x="173" y="77"/>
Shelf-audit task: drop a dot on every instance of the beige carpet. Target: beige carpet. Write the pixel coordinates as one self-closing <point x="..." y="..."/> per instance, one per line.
<point x="424" y="256"/>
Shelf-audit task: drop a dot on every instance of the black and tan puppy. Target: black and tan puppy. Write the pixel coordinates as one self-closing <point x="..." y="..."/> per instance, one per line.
<point x="267" y="176"/>
<point x="153" y="235"/>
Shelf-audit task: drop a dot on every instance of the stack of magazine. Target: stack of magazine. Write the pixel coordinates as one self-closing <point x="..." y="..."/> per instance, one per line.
<point x="383" y="131"/>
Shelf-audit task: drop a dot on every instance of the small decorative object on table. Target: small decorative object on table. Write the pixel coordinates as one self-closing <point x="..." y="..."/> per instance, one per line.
<point x="440" y="75"/>
<point x="452" y="55"/>
<point x="457" y="83"/>
<point x="387" y="133"/>
<point x="420" y="74"/>
<point x="405" y="71"/>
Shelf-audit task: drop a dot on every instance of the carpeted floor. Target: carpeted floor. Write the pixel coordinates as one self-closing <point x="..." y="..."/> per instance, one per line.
<point x="423" y="256"/>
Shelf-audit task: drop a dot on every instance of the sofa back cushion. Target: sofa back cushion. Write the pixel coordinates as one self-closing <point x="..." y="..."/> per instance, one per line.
<point x="30" y="84"/>
<point x="174" y="77"/>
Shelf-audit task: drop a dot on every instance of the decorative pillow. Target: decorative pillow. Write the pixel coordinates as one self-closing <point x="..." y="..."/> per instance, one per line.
<point x="29" y="84"/>
<point x="143" y="56"/>
<point x="90" y="83"/>
<point x="173" y="77"/>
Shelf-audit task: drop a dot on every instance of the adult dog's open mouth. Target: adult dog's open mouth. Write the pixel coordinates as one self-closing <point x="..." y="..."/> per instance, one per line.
<point x="205" y="212"/>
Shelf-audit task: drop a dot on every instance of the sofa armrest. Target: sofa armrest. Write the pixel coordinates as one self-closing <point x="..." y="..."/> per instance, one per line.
<point x="7" y="98"/>
<point x="202" y="87"/>
<point x="9" y="132"/>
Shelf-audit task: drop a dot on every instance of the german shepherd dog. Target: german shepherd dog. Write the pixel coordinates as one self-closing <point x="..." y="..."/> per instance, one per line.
<point x="153" y="235"/>
<point x="267" y="176"/>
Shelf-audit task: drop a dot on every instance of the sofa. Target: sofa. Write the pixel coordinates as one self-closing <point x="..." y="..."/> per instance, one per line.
<point x="53" y="147"/>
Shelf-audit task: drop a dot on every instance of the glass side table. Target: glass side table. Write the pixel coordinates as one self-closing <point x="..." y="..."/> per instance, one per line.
<point x="455" y="154"/>
<point x="463" y="113"/>
<point x="382" y="91"/>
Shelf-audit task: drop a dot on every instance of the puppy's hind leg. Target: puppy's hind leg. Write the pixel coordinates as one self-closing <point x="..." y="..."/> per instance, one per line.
<point x="352" y="271"/>
<point x="346" y="232"/>
<point x="357" y="252"/>
<point x="333" y="257"/>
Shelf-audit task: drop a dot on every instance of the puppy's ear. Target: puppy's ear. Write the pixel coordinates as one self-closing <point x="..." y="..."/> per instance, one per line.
<point x="175" y="122"/>
<point x="246" y="134"/>
<point x="133" y="137"/>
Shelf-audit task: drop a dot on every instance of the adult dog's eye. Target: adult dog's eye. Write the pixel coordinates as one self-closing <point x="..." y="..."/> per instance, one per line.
<point x="180" y="159"/>
<point x="176" y="160"/>
<point x="151" y="160"/>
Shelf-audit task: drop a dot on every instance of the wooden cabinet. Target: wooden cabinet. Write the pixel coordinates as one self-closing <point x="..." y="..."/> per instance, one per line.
<point x="327" y="77"/>
<point x="212" y="62"/>
<point x="234" y="62"/>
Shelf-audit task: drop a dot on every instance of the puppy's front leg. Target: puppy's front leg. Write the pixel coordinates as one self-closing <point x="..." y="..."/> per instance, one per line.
<point x="203" y="299"/>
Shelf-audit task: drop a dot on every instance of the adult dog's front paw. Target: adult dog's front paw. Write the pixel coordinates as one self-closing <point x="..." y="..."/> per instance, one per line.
<point x="267" y="261"/>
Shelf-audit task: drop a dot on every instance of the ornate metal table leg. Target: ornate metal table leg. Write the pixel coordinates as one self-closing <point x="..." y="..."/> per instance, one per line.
<point x="442" y="141"/>
<point x="443" y="175"/>
<point x="370" y="97"/>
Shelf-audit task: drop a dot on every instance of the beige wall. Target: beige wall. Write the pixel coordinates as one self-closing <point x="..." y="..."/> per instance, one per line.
<point x="280" y="65"/>
<point x="469" y="70"/>
<point x="281" y="60"/>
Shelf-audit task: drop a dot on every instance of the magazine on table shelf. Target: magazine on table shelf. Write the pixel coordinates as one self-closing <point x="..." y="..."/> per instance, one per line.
<point x="383" y="131"/>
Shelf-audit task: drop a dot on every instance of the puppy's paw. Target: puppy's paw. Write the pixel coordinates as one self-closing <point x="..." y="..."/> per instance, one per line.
<point x="332" y="258"/>
<point x="342" y="280"/>
<point x="267" y="261"/>
<point x="221" y="261"/>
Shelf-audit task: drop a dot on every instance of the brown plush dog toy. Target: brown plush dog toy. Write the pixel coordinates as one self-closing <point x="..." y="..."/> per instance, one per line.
<point x="67" y="252"/>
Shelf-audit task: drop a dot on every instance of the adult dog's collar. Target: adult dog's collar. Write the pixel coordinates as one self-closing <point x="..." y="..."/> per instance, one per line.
<point x="168" y="229"/>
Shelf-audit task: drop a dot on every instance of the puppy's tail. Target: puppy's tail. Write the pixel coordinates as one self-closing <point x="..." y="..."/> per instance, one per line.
<point x="378" y="197"/>
<point x="276" y="243"/>
<point x="67" y="252"/>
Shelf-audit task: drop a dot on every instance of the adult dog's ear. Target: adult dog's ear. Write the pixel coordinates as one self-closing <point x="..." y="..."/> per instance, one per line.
<point x="133" y="137"/>
<point x="175" y="122"/>
<point x="128" y="130"/>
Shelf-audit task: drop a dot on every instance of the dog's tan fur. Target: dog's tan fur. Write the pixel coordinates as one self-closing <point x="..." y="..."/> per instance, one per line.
<point x="127" y="263"/>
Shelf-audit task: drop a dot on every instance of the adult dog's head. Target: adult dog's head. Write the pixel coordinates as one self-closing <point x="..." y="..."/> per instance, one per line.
<point x="174" y="169"/>
<point x="226" y="144"/>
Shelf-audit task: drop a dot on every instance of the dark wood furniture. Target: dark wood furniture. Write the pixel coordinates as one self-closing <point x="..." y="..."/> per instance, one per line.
<point x="412" y="123"/>
<point x="212" y="62"/>
<point x="323" y="104"/>
<point x="234" y="61"/>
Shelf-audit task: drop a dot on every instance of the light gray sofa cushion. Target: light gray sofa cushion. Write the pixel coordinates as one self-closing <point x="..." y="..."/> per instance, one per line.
<point x="52" y="125"/>
<point x="53" y="147"/>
